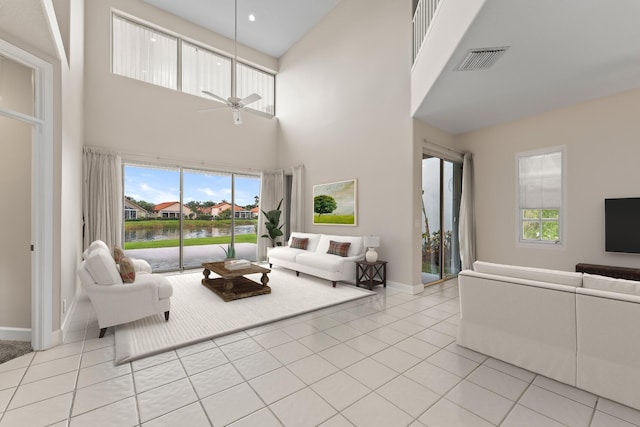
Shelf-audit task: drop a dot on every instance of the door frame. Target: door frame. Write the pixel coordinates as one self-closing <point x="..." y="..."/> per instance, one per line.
<point x="442" y="159"/>
<point x="41" y="192"/>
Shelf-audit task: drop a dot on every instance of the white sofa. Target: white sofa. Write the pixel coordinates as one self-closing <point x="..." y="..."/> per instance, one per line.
<point x="578" y="329"/>
<point x="315" y="261"/>
<point x="116" y="302"/>
<point x="608" y="319"/>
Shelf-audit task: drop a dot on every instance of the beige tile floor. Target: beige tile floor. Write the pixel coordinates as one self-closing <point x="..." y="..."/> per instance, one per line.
<point x="387" y="360"/>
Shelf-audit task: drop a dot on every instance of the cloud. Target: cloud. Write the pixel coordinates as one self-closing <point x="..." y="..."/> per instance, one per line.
<point x="155" y="185"/>
<point x="224" y="193"/>
<point x="151" y="194"/>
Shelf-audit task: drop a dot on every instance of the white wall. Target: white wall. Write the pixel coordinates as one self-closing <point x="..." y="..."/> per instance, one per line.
<point x="72" y="129"/>
<point x="343" y="96"/>
<point x="15" y="183"/>
<point x="139" y="118"/>
<point x="601" y="137"/>
<point x="29" y="31"/>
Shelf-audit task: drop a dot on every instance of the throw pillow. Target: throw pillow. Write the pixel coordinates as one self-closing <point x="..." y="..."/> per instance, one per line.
<point x="127" y="270"/>
<point x="299" y="243"/>
<point x="118" y="254"/>
<point x="103" y="268"/>
<point x="338" y="248"/>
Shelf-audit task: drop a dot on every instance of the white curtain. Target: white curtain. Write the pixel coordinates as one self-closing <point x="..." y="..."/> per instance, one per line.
<point x="145" y="54"/>
<point x="249" y="80"/>
<point x="297" y="200"/>
<point x="467" y="227"/>
<point x="205" y="70"/>
<point x="271" y="192"/>
<point x="102" y="196"/>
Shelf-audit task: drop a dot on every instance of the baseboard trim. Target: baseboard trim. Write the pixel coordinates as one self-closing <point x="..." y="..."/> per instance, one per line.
<point x="56" y="338"/>
<point x="405" y="288"/>
<point x="15" y="334"/>
<point x="67" y="319"/>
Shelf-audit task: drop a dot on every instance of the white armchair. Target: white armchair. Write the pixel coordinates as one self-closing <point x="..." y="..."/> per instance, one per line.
<point x="140" y="265"/>
<point x="116" y="302"/>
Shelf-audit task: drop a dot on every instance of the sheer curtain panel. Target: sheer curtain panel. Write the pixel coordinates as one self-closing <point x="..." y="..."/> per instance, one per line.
<point x="467" y="227"/>
<point x="205" y="70"/>
<point x="271" y="192"/>
<point x="251" y="80"/>
<point x="145" y="54"/>
<point x="102" y="196"/>
<point x="297" y="205"/>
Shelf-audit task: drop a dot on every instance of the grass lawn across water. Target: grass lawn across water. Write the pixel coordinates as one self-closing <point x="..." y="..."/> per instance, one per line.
<point x="240" y="238"/>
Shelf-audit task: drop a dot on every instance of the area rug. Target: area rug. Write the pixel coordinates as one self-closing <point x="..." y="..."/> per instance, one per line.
<point x="12" y="349"/>
<point x="197" y="314"/>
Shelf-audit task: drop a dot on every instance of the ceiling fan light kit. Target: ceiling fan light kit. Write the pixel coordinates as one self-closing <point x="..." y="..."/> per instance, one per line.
<point x="237" y="120"/>
<point x="233" y="102"/>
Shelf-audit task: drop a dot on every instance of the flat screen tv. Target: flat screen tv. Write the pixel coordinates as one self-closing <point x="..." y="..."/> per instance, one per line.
<point x="622" y="225"/>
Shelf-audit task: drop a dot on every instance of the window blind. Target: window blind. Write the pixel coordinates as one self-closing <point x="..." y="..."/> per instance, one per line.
<point x="540" y="179"/>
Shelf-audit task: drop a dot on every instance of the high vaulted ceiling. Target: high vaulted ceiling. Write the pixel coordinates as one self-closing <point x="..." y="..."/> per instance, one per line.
<point x="278" y="23"/>
<point x="561" y="52"/>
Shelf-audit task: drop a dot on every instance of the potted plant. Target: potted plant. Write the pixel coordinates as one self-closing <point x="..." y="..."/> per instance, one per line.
<point x="273" y="229"/>
<point x="230" y="252"/>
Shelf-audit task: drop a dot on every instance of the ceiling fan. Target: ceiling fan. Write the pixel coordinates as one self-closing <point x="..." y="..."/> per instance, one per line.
<point x="234" y="103"/>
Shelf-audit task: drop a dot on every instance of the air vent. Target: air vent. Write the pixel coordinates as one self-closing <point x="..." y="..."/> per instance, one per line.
<point x="481" y="59"/>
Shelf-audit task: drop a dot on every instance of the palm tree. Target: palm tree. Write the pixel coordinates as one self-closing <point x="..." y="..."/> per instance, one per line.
<point x="427" y="234"/>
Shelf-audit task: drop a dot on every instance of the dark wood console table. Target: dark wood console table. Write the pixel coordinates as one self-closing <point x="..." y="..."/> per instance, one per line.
<point x="609" y="271"/>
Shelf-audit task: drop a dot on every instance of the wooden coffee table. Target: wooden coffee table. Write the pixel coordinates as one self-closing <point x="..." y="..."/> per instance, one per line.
<point x="232" y="284"/>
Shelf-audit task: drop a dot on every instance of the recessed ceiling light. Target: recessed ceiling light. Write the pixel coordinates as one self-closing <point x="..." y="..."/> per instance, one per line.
<point x="252" y="17"/>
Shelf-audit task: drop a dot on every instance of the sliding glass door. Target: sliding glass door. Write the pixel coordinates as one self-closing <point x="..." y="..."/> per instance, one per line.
<point x="206" y="231"/>
<point x="441" y="191"/>
<point x="152" y="215"/>
<point x="246" y="190"/>
<point x="178" y="218"/>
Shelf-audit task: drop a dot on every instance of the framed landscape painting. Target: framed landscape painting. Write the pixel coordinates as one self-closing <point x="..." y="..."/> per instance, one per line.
<point x="335" y="203"/>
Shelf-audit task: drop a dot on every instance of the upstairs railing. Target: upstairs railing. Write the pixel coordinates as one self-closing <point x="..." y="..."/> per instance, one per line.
<point x="422" y="18"/>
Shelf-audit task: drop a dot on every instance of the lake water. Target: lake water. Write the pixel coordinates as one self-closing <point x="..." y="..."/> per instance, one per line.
<point x="167" y="232"/>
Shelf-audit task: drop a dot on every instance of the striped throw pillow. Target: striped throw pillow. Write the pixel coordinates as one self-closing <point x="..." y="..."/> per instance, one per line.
<point x="338" y="248"/>
<point x="118" y="254"/>
<point x="127" y="270"/>
<point x="299" y="243"/>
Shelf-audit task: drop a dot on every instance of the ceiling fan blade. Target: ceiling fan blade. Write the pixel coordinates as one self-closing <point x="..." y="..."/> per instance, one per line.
<point x="213" y="108"/>
<point x="215" y="97"/>
<point x="258" y="113"/>
<point x="250" y="99"/>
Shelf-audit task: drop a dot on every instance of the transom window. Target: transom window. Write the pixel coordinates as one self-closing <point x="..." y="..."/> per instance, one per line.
<point x="144" y="54"/>
<point x="154" y="56"/>
<point x="203" y="69"/>
<point x="251" y="80"/>
<point x="540" y="196"/>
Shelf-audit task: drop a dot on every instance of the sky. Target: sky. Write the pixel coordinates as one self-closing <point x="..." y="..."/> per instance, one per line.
<point x="155" y="185"/>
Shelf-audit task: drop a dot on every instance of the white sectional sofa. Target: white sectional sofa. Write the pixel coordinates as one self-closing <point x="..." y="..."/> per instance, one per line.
<point x="579" y="329"/>
<point x="608" y="321"/>
<point x="315" y="261"/>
